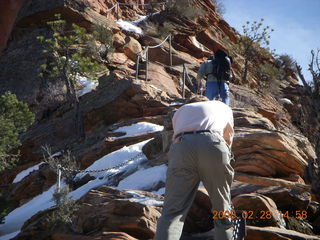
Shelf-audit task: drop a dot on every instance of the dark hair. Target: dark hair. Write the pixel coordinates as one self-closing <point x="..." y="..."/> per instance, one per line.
<point x="197" y="98"/>
<point x="219" y="53"/>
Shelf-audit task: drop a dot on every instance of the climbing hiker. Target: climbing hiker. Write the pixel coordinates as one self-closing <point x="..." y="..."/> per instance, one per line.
<point x="217" y="69"/>
<point x="203" y="134"/>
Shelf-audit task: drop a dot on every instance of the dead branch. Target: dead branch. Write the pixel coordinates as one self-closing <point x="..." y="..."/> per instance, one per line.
<point x="315" y="73"/>
<point x="301" y="76"/>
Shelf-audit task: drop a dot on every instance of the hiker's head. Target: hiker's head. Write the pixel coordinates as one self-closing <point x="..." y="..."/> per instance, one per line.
<point x="219" y="53"/>
<point x="197" y="98"/>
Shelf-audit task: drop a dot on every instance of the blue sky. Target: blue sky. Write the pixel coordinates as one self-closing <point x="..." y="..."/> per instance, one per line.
<point x="296" y="24"/>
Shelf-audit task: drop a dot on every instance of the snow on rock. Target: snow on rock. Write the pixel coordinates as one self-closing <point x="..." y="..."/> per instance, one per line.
<point x="87" y="85"/>
<point x="129" y="26"/>
<point x="144" y="179"/>
<point x="160" y="191"/>
<point x="15" y="219"/>
<point x="141" y="127"/>
<point x="140" y="19"/>
<point x="145" y="200"/>
<point x="285" y="100"/>
<point x="118" y="157"/>
<point x="196" y="43"/>
<point x="81" y="191"/>
<point x="26" y="172"/>
<point x="9" y="236"/>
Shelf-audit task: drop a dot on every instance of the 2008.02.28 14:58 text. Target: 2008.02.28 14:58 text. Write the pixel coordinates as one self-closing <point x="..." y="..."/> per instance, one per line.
<point x="261" y="214"/>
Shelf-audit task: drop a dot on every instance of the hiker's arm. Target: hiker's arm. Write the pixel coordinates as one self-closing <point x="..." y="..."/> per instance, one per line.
<point x="198" y="84"/>
<point x="228" y="134"/>
<point x="233" y="76"/>
<point x="200" y="75"/>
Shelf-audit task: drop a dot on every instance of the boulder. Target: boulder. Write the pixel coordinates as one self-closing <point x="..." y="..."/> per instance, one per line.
<point x="261" y="210"/>
<point x="287" y="199"/>
<point x="199" y="218"/>
<point x="102" y="212"/>
<point x="156" y="149"/>
<point x="271" y="153"/>
<point x="238" y="187"/>
<point x="266" y="181"/>
<point x="250" y="119"/>
<point x="119" y="40"/>
<point x="32" y="185"/>
<point x="134" y="218"/>
<point x="132" y="48"/>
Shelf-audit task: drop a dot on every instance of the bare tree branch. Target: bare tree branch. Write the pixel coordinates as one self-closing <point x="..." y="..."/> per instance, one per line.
<point x="315" y="73"/>
<point x="301" y="76"/>
<point x="317" y="61"/>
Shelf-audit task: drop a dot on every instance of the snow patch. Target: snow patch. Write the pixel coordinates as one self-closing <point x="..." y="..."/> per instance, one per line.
<point x="144" y="179"/>
<point x="145" y="200"/>
<point x="81" y="191"/>
<point x="196" y="43"/>
<point x="15" y="219"/>
<point x="160" y="191"/>
<point x="26" y="172"/>
<point x="140" y="19"/>
<point x="9" y="236"/>
<point x="141" y="127"/>
<point x="285" y="100"/>
<point x="129" y="26"/>
<point x="87" y="85"/>
<point x="115" y="158"/>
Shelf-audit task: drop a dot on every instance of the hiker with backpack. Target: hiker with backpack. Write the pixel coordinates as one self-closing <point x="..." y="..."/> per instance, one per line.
<point x="203" y="134"/>
<point x="217" y="69"/>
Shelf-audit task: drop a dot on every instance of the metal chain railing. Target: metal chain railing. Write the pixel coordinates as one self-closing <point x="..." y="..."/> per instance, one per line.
<point x="117" y="6"/>
<point x="145" y="55"/>
<point x="185" y="75"/>
<point x="61" y="169"/>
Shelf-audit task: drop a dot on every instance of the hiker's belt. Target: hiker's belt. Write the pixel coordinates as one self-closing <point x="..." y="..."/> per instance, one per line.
<point x="192" y="132"/>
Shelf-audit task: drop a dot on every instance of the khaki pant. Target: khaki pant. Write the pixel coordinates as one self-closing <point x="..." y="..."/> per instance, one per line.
<point x="196" y="157"/>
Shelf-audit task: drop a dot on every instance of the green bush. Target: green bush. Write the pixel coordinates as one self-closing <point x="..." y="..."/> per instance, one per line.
<point x="287" y="63"/>
<point x="184" y="8"/>
<point x="64" y="211"/>
<point x="15" y="118"/>
<point x="270" y="77"/>
<point x="255" y="37"/>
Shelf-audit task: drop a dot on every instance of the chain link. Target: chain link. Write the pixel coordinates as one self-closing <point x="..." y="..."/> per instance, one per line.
<point x="101" y="170"/>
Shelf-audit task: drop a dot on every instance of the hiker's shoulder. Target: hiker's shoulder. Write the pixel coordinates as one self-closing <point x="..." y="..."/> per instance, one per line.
<point x="208" y="62"/>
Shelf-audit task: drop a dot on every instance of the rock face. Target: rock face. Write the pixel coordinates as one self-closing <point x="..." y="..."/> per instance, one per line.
<point x="8" y="13"/>
<point x="267" y="152"/>
<point x="261" y="210"/>
<point x="102" y="212"/>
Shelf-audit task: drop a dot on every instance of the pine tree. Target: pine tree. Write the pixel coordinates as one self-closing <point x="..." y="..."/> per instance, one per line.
<point x="73" y="52"/>
<point x="15" y="118"/>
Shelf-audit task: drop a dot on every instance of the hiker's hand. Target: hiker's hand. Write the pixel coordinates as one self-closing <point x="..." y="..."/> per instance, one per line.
<point x="198" y="89"/>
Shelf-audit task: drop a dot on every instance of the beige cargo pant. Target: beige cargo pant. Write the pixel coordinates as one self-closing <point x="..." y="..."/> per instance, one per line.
<point x="196" y="157"/>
